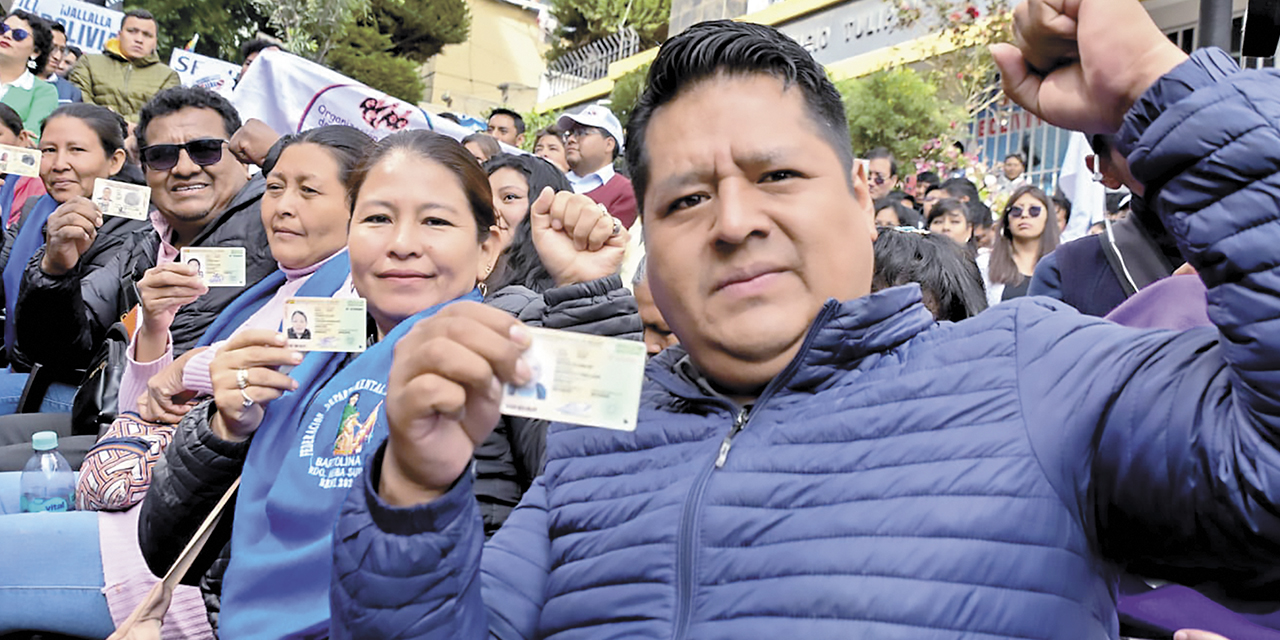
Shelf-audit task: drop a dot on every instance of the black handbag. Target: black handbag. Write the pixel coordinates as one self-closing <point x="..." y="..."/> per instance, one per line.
<point x="95" y="404"/>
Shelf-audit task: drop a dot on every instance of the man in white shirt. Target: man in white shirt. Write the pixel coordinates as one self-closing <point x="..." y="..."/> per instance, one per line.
<point x="594" y="139"/>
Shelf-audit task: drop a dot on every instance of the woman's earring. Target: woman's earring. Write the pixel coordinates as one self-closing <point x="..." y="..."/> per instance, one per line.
<point x="31" y="64"/>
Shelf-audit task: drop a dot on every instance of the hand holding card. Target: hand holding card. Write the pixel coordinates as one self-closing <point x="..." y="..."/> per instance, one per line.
<point x="70" y="230"/>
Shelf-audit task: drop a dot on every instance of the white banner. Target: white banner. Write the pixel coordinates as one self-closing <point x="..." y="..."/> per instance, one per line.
<point x="196" y="70"/>
<point x="88" y="25"/>
<point x="293" y="94"/>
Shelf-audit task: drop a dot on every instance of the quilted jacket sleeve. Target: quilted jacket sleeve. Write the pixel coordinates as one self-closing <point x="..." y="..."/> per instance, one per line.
<point x="418" y="572"/>
<point x="195" y="472"/>
<point x="1166" y="443"/>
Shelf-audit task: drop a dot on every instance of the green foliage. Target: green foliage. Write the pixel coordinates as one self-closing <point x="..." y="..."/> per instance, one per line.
<point x="583" y="21"/>
<point x="364" y="54"/>
<point x="311" y="28"/>
<point x="222" y="25"/>
<point x="960" y="64"/>
<point x="899" y="110"/>
<point x="626" y="93"/>
<point x="418" y="29"/>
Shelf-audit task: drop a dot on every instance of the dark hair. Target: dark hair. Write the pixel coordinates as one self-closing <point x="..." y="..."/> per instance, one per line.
<point x="962" y="188"/>
<point x="950" y="281"/>
<point x="883" y="153"/>
<point x="175" y="99"/>
<point x="520" y="263"/>
<point x="451" y="117"/>
<point x="141" y="14"/>
<point x="1063" y="203"/>
<point x="552" y="130"/>
<point x="54" y="25"/>
<point x="907" y="216"/>
<point x="1019" y="157"/>
<point x="41" y="34"/>
<point x="519" y="119"/>
<point x="12" y="121"/>
<point x="347" y="145"/>
<point x="107" y="124"/>
<point x="435" y="147"/>
<point x="75" y="51"/>
<point x="947" y="206"/>
<point x="256" y="45"/>
<point x="298" y="312"/>
<point x="734" y="48"/>
<point x="929" y="179"/>
<point x="1003" y="269"/>
<point x="488" y="144"/>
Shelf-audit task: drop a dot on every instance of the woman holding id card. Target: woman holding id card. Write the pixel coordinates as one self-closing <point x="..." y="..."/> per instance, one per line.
<point x="422" y="238"/>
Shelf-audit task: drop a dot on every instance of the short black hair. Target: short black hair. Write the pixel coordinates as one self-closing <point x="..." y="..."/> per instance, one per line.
<point x="881" y="152"/>
<point x="40" y="32"/>
<point x="907" y="215"/>
<point x="256" y="45"/>
<point x="10" y="118"/>
<point x="54" y="25"/>
<point x="141" y="14"/>
<point x="718" y="47"/>
<point x="1019" y="157"/>
<point x="75" y="51"/>
<point x="1063" y="203"/>
<point x="175" y="99"/>
<point x="949" y="279"/>
<point x="979" y="212"/>
<point x="519" y="119"/>
<point x="347" y="145"/>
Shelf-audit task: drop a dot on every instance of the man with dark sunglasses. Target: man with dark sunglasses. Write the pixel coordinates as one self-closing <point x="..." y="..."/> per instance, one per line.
<point x="883" y="175"/>
<point x="202" y="197"/>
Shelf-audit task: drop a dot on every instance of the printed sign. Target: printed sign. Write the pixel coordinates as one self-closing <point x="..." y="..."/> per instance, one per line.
<point x="580" y="379"/>
<point x="121" y="199"/>
<point x="216" y="266"/>
<point x="195" y="70"/>
<point x="89" y="26"/>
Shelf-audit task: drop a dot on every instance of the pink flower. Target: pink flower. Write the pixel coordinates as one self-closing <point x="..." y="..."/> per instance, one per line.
<point x="955" y="17"/>
<point x="972" y="11"/>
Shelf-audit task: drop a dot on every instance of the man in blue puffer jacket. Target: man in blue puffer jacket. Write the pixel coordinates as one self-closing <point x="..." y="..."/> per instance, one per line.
<point x="808" y="468"/>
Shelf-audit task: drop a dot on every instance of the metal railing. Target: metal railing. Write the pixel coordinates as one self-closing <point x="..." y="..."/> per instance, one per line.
<point x="587" y="63"/>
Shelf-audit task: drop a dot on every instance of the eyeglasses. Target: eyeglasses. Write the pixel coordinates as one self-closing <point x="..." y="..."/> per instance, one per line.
<point x="1032" y="211"/>
<point x="878" y="178"/>
<point x="163" y="157"/>
<point x="18" y="34"/>
<point x="580" y="131"/>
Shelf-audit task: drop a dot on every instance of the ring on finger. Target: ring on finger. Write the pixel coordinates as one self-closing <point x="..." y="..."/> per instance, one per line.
<point x="617" y="227"/>
<point x="242" y="378"/>
<point x="248" y="402"/>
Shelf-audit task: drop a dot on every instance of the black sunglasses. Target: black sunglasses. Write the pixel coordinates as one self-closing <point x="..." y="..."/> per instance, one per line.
<point x="18" y="34"/>
<point x="163" y="157"/>
<point x="1032" y="211"/>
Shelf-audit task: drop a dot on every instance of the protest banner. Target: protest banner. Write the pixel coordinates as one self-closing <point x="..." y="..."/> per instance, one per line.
<point x="89" y="26"/>
<point x="293" y="94"/>
<point x="195" y="70"/>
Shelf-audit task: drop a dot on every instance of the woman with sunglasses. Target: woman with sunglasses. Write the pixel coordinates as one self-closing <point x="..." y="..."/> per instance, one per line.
<point x="25" y="43"/>
<point x="1028" y="231"/>
<point x="421" y="238"/>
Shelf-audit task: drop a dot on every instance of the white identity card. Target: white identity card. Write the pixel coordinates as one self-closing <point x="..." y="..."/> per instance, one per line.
<point x="325" y="324"/>
<point x="121" y="199"/>
<point x="216" y="266"/>
<point x="580" y="379"/>
<point x="24" y="162"/>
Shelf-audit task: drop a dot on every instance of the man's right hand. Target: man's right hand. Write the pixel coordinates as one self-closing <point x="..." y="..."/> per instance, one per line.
<point x="70" y="231"/>
<point x="443" y="395"/>
<point x="1081" y="64"/>
<point x="253" y="141"/>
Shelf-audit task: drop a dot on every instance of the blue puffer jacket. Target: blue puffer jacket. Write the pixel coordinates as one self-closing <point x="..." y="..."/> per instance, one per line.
<point x="902" y="478"/>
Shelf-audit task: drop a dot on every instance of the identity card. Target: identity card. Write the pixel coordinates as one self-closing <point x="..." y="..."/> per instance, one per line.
<point x="580" y="379"/>
<point x="121" y="199"/>
<point x="216" y="266"/>
<point x="325" y="324"/>
<point x="24" y="162"/>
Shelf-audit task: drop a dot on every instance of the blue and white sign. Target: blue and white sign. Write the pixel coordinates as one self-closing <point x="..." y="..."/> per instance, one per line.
<point x="88" y="25"/>
<point x="195" y="70"/>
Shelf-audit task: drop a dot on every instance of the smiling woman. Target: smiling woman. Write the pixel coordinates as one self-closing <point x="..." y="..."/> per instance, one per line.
<point x="25" y="43"/>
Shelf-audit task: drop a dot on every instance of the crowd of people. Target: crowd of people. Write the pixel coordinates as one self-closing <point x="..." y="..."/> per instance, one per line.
<point x="873" y="407"/>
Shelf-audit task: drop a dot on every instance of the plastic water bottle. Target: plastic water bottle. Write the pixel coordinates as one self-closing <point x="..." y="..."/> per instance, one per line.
<point x="47" y="482"/>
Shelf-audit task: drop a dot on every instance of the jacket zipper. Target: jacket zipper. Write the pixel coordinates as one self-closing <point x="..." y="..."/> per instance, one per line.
<point x="686" y="550"/>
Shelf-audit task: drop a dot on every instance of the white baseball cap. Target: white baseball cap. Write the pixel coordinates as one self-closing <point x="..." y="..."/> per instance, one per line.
<point x="594" y="116"/>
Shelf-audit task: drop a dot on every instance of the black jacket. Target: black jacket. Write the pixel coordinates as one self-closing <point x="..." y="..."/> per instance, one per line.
<point x="62" y="319"/>
<point x="198" y="467"/>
